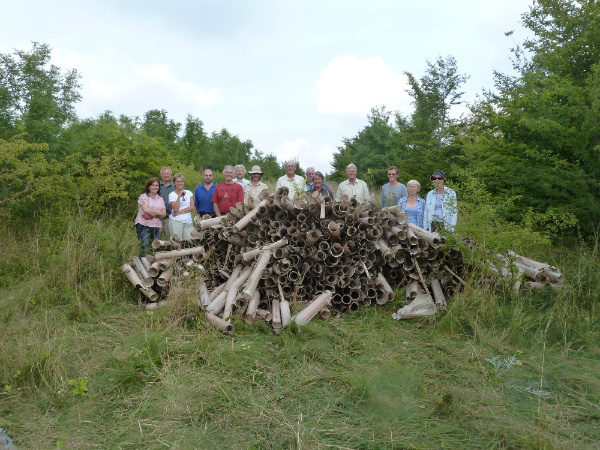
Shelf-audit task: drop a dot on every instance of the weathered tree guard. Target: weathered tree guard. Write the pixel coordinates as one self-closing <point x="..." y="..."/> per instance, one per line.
<point x="336" y="257"/>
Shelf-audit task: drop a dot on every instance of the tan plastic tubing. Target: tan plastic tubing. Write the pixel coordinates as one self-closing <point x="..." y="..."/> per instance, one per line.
<point x="313" y="308"/>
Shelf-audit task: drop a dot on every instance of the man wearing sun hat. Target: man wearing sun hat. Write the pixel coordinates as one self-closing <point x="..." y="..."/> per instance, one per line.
<point x="254" y="187"/>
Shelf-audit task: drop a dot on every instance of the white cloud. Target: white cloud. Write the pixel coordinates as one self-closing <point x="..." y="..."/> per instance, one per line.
<point x="123" y="86"/>
<point x="350" y="85"/>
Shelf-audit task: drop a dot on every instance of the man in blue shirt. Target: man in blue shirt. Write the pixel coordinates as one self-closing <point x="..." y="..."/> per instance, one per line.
<point x="204" y="193"/>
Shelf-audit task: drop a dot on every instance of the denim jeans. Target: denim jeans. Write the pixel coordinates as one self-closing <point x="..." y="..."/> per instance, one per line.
<point x="146" y="235"/>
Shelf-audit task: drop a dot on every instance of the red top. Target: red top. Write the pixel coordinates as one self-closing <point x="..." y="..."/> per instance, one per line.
<point x="227" y="195"/>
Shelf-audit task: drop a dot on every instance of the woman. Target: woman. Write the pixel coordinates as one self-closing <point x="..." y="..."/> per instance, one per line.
<point x="413" y="204"/>
<point x="151" y="209"/>
<point x="440" y="205"/>
<point x="254" y="188"/>
<point x="182" y="203"/>
<point x="320" y="187"/>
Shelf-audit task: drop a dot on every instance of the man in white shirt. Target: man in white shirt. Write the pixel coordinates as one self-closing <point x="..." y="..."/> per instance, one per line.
<point x="353" y="186"/>
<point x="240" y="171"/>
<point x="295" y="183"/>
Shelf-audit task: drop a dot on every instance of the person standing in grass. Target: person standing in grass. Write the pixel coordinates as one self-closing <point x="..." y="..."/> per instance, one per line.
<point x="393" y="191"/>
<point x="203" y="194"/>
<point x="320" y="187"/>
<point x="227" y="194"/>
<point x="240" y="171"/>
<point x="151" y="209"/>
<point x="295" y="183"/>
<point x="440" y="205"/>
<point x="255" y="187"/>
<point x="353" y="187"/>
<point x="182" y="204"/>
<point x="166" y="187"/>
<point x="413" y="204"/>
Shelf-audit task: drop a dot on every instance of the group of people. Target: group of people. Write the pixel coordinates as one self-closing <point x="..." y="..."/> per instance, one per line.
<point x="168" y="205"/>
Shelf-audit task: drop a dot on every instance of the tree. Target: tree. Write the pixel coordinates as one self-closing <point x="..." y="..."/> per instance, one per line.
<point x="370" y="150"/>
<point x="431" y="129"/>
<point x="157" y="124"/>
<point x="35" y="98"/>
<point x="537" y="138"/>
<point x="26" y="176"/>
<point x="194" y="143"/>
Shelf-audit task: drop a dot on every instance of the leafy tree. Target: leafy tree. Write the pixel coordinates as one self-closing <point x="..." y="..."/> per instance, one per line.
<point x="35" y="98"/>
<point x="226" y="149"/>
<point x="268" y="164"/>
<point x="109" y="162"/>
<point x="194" y="143"/>
<point x="431" y="130"/>
<point x="370" y="150"/>
<point x="157" y="124"/>
<point x="537" y="138"/>
<point x="26" y="176"/>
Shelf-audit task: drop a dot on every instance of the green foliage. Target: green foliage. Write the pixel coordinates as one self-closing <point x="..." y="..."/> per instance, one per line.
<point x="79" y="386"/>
<point x="35" y="98"/>
<point x="370" y="150"/>
<point x="536" y="139"/>
<point x="26" y="175"/>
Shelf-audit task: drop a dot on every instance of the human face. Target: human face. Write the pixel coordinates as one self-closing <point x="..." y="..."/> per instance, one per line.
<point x="207" y="176"/>
<point x="412" y="189"/>
<point x="310" y="173"/>
<point x="318" y="182"/>
<point x="239" y="173"/>
<point x="438" y="182"/>
<point x="351" y="172"/>
<point x="255" y="177"/>
<point x="179" y="182"/>
<point x="290" y="168"/>
<point x="228" y="175"/>
<point x="392" y="175"/>
<point x="166" y="176"/>
<point x="154" y="188"/>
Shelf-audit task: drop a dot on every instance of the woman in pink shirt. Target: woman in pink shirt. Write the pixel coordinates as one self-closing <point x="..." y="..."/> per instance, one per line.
<point x="151" y="209"/>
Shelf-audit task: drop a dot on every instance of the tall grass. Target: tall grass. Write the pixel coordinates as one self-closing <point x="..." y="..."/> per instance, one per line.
<point x="82" y="367"/>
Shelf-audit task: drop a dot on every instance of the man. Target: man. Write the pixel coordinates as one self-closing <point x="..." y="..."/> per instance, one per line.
<point x="320" y="187"/>
<point x="227" y="194"/>
<point x="295" y="183"/>
<point x="393" y="191"/>
<point x="240" y="171"/>
<point x="166" y="187"/>
<point x="204" y="193"/>
<point x="353" y="186"/>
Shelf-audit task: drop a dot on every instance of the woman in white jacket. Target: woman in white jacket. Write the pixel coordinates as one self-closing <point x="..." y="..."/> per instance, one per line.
<point x="440" y="205"/>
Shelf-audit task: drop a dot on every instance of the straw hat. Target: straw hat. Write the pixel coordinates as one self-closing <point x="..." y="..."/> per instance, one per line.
<point x="256" y="169"/>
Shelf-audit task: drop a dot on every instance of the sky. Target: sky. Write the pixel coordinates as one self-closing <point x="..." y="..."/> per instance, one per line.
<point x="294" y="77"/>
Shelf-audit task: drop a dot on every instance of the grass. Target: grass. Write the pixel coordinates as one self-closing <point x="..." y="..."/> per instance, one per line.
<point x="81" y="366"/>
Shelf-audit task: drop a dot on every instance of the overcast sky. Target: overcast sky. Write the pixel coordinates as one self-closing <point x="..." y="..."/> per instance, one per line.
<point x="294" y="77"/>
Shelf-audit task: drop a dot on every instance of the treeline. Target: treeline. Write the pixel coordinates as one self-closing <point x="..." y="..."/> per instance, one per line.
<point x="92" y="166"/>
<point x="533" y="143"/>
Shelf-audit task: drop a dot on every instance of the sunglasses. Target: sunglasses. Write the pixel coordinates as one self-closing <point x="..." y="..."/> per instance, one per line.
<point x="436" y="178"/>
<point x="183" y="196"/>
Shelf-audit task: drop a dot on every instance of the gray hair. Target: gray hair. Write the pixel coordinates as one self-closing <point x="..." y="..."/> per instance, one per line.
<point x="165" y="168"/>
<point x="228" y="167"/>
<point x="178" y="175"/>
<point x="320" y="175"/>
<point x="414" y="182"/>
<point x="208" y="168"/>
<point x="351" y="166"/>
<point x="240" y="165"/>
